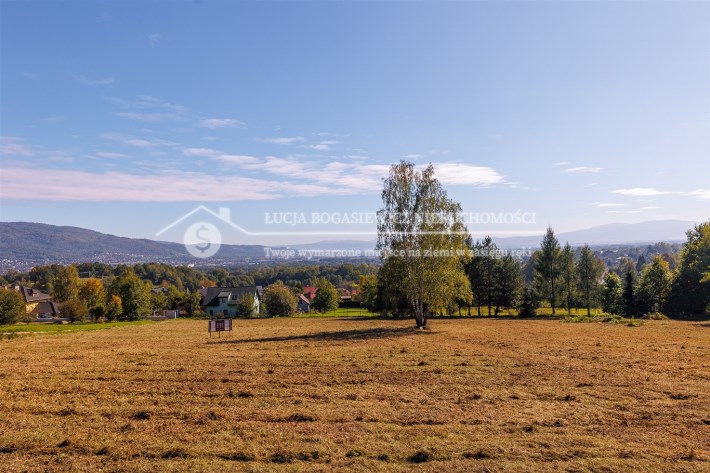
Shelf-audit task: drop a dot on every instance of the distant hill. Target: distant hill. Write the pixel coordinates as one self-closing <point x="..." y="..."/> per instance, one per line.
<point x="611" y="234"/>
<point x="37" y="243"/>
<point x="614" y="233"/>
<point x="362" y="245"/>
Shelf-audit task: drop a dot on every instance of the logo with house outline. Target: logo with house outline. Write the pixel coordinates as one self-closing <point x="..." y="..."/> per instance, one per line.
<point x="203" y="239"/>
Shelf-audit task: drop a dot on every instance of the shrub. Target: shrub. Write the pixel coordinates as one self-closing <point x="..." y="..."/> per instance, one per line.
<point x="279" y="301"/>
<point x="327" y="298"/>
<point x="245" y="306"/>
<point x="75" y="310"/>
<point x="655" y="316"/>
<point x="528" y="305"/>
<point x="12" y="307"/>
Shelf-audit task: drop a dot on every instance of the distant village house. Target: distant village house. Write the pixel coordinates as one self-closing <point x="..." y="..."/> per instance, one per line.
<point x="223" y="301"/>
<point x="38" y="305"/>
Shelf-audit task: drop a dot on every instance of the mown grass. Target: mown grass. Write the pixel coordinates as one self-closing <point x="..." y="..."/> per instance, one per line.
<point x="363" y="394"/>
<point x="76" y="327"/>
<point x="340" y="312"/>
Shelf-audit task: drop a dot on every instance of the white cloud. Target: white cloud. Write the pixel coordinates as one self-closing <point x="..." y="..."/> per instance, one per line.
<point x="60" y="158"/>
<point x="584" y="169"/>
<point x="146" y="108"/>
<point x="220" y="123"/>
<point x="82" y="79"/>
<point x="700" y="194"/>
<point x="623" y="211"/>
<point x="606" y="204"/>
<point x="165" y="186"/>
<point x="412" y="156"/>
<point x="639" y="191"/>
<point x="703" y="194"/>
<point x="237" y="159"/>
<point x="136" y="142"/>
<point x="65" y="185"/>
<point x="201" y="152"/>
<point x="465" y="174"/>
<point x="323" y="145"/>
<point x="154" y="38"/>
<point x="650" y="207"/>
<point x="147" y="117"/>
<point x="148" y="101"/>
<point x="111" y="155"/>
<point x="561" y="163"/>
<point x="277" y="177"/>
<point x="286" y="140"/>
<point x="356" y="177"/>
<point x="15" y="149"/>
<point x="281" y="166"/>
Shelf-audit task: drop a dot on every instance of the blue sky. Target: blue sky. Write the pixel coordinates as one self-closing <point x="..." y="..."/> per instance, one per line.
<point x="121" y="117"/>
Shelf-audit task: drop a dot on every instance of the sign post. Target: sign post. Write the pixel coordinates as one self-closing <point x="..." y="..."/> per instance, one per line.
<point x="219" y="326"/>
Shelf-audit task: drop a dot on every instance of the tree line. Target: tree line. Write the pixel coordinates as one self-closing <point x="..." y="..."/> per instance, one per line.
<point x="467" y="274"/>
<point x="97" y="291"/>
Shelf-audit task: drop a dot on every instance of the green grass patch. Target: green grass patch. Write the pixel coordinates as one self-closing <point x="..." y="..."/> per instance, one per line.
<point x="341" y="312"/>
<point x="561" y="311"/>
<point x="59" y="328"/>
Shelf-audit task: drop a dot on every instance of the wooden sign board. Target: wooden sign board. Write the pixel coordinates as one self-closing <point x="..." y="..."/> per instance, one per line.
<point x="219" y="326"/>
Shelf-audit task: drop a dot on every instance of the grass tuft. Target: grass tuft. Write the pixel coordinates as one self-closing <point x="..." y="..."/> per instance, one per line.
<point x="141" y="415"/>
<point x="174" y="453"/>
<point x="281" y="457"/>
<point x="299" y="418"/>
<point x="479" y="455"/>
<point x="354" y="453"/>
<point x="420" y="457"/>
<point x="238" y="457"/>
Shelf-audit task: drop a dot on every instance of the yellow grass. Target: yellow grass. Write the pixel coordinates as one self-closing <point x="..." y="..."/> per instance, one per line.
<point x="359" y="394"/>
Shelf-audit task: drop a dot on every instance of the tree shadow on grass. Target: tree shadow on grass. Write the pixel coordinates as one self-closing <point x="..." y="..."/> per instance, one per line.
<point x="434" y="318"/>
<point x="342" y="335"/>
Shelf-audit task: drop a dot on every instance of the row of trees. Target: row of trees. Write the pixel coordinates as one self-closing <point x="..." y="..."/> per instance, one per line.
<point x="121" y="297"/>
<point x="684" y="292"/>
<point x="431" y="265"/>
<point x="561" y="278"/>
<point x="125" y="293"/>
<point x="186" y="278"/>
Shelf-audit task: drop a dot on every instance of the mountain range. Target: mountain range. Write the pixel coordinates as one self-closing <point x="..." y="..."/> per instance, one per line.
<point x="612" y="234"/>
<point x="24" y="244"/>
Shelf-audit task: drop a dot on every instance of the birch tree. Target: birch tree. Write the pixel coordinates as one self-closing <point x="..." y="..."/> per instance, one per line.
<point x="422" y="237"/>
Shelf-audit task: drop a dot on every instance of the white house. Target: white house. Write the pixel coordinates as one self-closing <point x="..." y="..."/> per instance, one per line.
<point x="222" y="301"/>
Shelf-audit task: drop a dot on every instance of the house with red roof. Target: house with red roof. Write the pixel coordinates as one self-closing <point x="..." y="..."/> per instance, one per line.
<point x="310" y="292"/>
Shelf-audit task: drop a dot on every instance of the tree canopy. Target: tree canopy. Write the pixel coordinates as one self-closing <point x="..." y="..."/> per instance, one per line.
<point x="422" y="238"/>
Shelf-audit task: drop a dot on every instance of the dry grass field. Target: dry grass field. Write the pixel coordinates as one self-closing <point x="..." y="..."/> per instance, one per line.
<point x="359" y="394"/>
